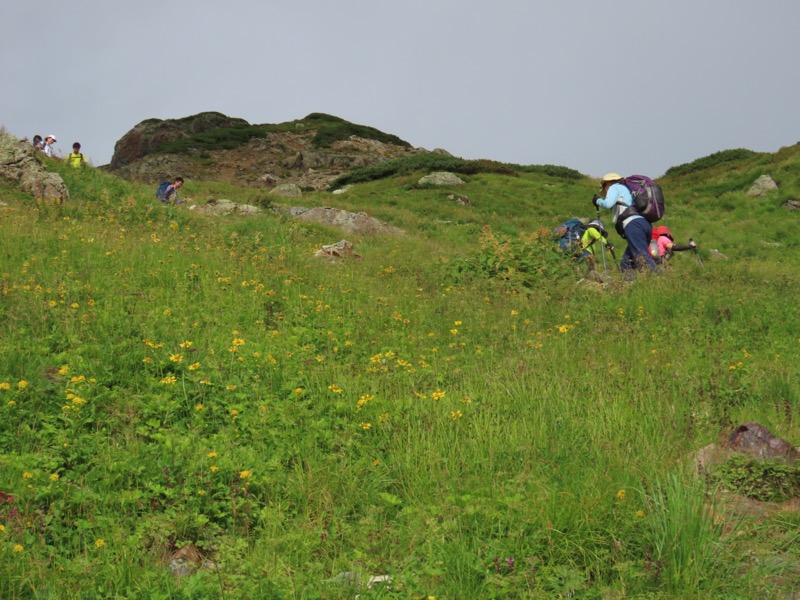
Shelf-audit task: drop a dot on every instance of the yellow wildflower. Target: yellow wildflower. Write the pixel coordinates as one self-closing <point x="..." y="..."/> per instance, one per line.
<point x="194" y="366"/>
<point x="214" y="468"/>
<point x="621" y="496"/>
<point x="18" y="548"/>
<point x="437" y="395"/>
<point x="54" y="477"/>
<point x="366" y="426"/>
<point x="5" y="385"/>
<point x="245" y="474"/>
<point x="99" y="543"/>
<point x="176" y="358"/>
<point x="26" y="475"/>
<point x="22" y="384"/>
<point x="169" y="380"/>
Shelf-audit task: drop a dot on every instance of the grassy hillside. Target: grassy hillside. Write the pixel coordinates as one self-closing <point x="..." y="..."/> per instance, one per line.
<point x="455" y="410"/>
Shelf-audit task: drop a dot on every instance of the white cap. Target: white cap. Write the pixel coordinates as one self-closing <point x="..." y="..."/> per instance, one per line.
<point x="52" y="136"/>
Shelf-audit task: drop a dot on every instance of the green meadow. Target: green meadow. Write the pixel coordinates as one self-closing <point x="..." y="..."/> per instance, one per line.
<point x="457" y="414"/>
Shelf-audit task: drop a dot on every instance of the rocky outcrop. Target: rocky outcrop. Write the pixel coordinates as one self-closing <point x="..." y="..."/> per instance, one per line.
<point x="148" y="135"/>
<point x="19" y="164"/>
<point x="273" y="156"/>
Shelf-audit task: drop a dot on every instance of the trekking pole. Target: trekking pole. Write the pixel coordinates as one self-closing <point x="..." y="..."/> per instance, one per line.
<point x="697" y="256"/>
<point x="602" y="246"/>
<point x="614" y="256"/>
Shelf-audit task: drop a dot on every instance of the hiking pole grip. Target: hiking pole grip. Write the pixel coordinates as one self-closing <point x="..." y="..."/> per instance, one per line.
<point x="696" y="254"/>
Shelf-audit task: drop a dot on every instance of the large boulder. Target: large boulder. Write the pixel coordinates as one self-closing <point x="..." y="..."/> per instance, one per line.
<point x="20" y="165"/>
<point x="762" y="185"/>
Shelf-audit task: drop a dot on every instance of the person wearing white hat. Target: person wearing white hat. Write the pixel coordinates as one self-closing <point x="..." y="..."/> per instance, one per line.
<point x="627" y="221"/>
<point x="48" y="145"/>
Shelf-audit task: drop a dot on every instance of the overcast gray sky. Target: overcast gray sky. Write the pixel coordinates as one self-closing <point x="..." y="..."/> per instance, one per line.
<point x="617" y="85"/>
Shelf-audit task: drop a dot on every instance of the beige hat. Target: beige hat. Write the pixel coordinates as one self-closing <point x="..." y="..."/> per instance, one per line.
<point x="612" y="177"/>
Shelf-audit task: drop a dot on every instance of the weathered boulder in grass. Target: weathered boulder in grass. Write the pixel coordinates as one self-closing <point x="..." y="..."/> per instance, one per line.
<point x="762" y="185"/>
<point x="757" y="441"/>
<point x="341" y="249"/>
<point x="792" y="204"/>
<point x="222" y="207"/>
<point x="20" y="165"/>
<point x="289" y="190"/>
<point x="355" y="223"/>
<point x="750" y="439"/>
<point x="441" y="178"/>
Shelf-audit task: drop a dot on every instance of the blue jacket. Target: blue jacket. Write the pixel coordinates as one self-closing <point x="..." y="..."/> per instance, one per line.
<point x="618" y="198"/>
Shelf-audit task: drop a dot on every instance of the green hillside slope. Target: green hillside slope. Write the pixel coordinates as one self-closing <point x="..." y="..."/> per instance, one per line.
<point x="458" y="412"/>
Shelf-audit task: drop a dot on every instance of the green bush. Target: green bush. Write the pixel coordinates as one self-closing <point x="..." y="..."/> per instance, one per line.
<point x="712" y="160"/>
<point x="443" y="162"/>
<point x="765" y="480"/>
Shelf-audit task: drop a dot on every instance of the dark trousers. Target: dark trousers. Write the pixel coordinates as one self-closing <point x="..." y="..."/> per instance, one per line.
<point x="637" y="255"/>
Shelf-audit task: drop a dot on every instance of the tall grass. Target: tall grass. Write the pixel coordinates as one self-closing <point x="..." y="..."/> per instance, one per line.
<point x="169" y="379"/>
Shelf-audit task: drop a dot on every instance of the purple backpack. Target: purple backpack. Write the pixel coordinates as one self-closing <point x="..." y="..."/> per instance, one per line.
<point x="648" y="199"/>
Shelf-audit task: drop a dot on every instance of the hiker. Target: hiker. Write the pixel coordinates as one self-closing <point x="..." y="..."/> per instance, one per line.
<point x="595" y="231"/>
<point x="38" y="142"/>
<point x="662" y="244"/>
<point x="569" y="234"/>
<point x="168" y="192"/>
<point x="627" y="221"/>
<point x="76" y="159"/>
<point x="48" y="145"/>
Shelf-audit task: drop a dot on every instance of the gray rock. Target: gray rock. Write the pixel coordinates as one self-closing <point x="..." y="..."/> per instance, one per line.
<point x="287" y="189"/>
<point x="341" y="249"/>
<point x="355" y="223"/>
<point x="223" y="207"/>
<point x="757" y="441"/>
<point x="19" y="165"/>
<point x="792" y="204"/>
<point x="762" y="185"/>
<point x="441" y="178"/>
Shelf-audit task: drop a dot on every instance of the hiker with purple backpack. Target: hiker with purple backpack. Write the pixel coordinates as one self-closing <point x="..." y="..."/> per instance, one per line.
<point x="629" y="224"/>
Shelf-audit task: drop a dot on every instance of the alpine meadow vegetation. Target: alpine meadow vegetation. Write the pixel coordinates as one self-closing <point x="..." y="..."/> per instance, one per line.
<point x="456" y="414"/>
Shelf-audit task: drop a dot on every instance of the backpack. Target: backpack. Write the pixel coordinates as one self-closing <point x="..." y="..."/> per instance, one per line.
<point x="162" y="190"/>
<point x="569" y="234"/>
<point x="648" y="199"/>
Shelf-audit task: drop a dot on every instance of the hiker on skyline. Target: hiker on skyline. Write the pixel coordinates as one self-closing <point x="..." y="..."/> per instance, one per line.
<point x="76" y="159"/>
<point x="48" y="145"/>
<point x="634" y="228"/>
<point x="38" y="142"/>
